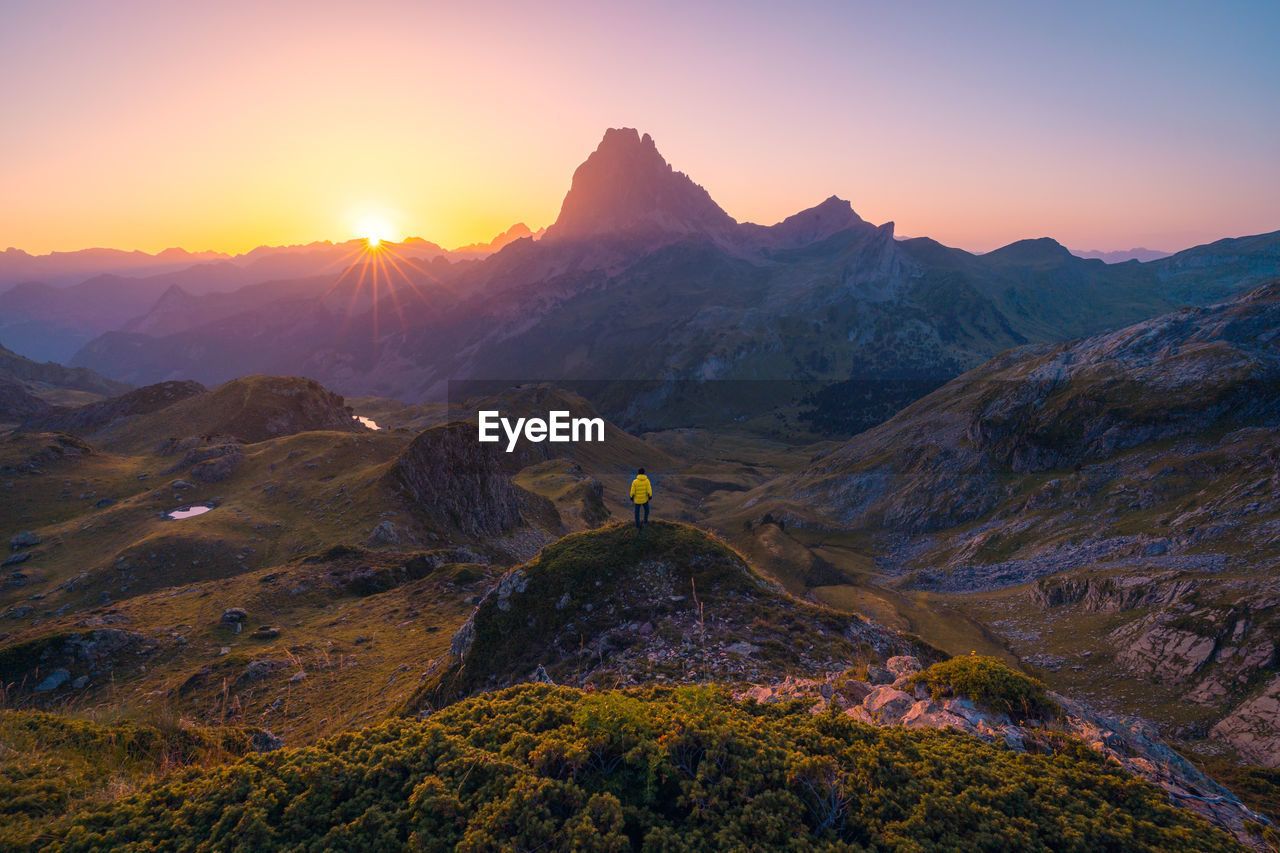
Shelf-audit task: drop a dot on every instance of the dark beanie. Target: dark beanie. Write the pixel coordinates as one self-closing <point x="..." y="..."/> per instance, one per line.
<point x="641" y="471"/>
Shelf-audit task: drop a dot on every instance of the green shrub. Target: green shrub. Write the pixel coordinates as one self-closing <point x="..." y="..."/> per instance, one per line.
<point x="540" y="767"/>
<point x="52" y="764"/>
<point x="992" y="684"/>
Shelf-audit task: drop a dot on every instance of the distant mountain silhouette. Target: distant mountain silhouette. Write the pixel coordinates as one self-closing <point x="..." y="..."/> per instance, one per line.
<point x="1120" y="256"/>
<point x="626" y="187"/>
<point x="516" y="232"/>
<point x="59" y="268"/>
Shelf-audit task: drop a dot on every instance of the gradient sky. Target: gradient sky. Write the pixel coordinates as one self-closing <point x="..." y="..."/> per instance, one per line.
<point x="232" y="124"/>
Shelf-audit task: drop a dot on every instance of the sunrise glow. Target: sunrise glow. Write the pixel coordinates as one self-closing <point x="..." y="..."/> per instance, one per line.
<point x="942" y="140"/>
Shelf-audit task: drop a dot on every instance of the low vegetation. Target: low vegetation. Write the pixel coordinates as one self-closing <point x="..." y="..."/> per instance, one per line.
<point x="554" y="768"/>
<point x="990" y="683"/>
<point x="52" y="765"/>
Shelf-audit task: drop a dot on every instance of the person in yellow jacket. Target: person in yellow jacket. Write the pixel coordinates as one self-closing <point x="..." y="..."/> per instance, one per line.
<point x="641" y="491"/>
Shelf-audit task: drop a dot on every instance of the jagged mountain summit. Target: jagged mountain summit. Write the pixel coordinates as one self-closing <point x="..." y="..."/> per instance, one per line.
<point x="626" y="187"/>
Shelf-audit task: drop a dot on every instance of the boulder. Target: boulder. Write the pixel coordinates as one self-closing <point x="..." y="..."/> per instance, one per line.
<point x="902" y="665"/>
<point x="927" y="714"/>
<point x="260" y="669"/>
<point x="886" y="704"/>
<point x="53" y="681"/>
<point x="232" y="615"/>
<point x="25" y="539"/>
<point x="265" y="741"/>
<point x="384" y="534"/>
<point x="879" y="675"/>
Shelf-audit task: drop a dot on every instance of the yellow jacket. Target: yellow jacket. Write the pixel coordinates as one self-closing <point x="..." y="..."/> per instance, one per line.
<point x="641" y="491"/>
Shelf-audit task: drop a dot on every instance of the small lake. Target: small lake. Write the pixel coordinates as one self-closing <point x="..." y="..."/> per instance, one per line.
<point x="369" y="422"/>
<point x="188" y="511"/>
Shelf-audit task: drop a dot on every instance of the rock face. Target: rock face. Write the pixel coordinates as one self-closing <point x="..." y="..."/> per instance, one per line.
<point x="459" y="482"/>
<point x="1110" y="595"/>
<point x="1159" y="646"/>
<point x="1253" y="728"/>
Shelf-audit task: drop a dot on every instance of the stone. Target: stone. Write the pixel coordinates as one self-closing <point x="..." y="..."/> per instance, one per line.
<point x="259" y="669"/>
<point x="16" y="559"/>
<point x="903" y="665"/>
<point x="540" y="676"/>
<point x="25" y="539"/>
<point x="233" y="615"/>
<point x="879" y="675"/>
<point x="53" y="681"/>
<point x="1155" y="647"/>
<point x="80" y="683"/>
<point x="861" y="714"/>
<point x="927" y="714"/>
<point x="266" y="632"/>
<point x="297" y="677"/>
<point x="384" y="534"/>
<point x="512" y="582"/>
<point x="854" y="691"/>
<point x="1158" y="548"/>
<point x="265" y="741"/>
<point x="886" y="703"/>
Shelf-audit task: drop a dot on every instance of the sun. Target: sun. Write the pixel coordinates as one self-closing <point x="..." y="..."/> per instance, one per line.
<point x="375" y="231"/>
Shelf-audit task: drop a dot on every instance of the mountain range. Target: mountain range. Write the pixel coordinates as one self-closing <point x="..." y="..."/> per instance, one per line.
<point x="1013" y="584"/>
<point x="643" y="276"/>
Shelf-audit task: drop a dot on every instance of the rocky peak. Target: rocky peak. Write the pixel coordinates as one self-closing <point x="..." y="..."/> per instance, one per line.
<point x="808" y="226"/>
<point x="626" y="188"/>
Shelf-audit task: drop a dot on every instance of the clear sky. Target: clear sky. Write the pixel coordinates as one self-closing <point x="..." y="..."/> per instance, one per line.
<point x="139" y="124"/>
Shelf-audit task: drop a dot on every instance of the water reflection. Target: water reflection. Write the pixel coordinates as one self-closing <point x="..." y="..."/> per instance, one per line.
<point x="188" y="511"/>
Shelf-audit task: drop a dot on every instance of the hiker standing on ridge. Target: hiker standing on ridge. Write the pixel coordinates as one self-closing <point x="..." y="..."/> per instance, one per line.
<point x="641" y="491"/>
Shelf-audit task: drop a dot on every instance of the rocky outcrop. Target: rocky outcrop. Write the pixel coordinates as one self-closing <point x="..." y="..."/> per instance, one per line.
<point x="1253" y="728"/>
<point x="671" y="605"/>
<point x="459" y="482"/>
<point x="206" y="459"/>
<point x="1113" y="594"/>
<point x="1163" y="646"/>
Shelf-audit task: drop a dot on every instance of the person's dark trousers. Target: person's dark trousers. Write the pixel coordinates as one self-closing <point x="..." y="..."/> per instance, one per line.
<point x="646" y="513"/>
